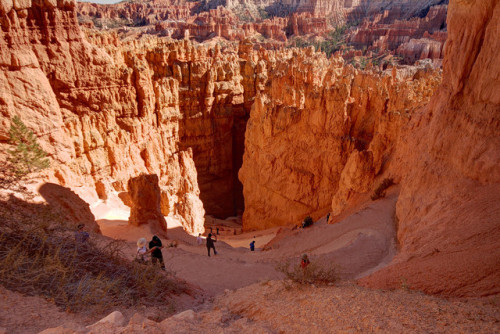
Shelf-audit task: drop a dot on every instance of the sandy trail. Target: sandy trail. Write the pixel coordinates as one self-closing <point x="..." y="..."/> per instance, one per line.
<point x="355" y="245"/>
<point x="238" y="294"/>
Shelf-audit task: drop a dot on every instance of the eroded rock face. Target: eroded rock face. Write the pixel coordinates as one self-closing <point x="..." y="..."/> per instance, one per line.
<point x="103" y="114"/>
<point x="145" y="196"/>
<point x="316" y="128"/>
<point x="407" y="35"/>
<point x="69" y="206"/>
<point x="448" y="208"/>
<point x="107" y="111"/>
<point x="411" y="29"/>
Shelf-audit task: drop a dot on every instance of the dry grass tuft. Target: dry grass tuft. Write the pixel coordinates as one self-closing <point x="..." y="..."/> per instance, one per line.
<point x="312" y="274"/>
<point x="92" y="277"/>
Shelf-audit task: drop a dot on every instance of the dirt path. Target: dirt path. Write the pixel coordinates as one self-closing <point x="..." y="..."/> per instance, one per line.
<point x="356" y="245"/>
<point x="242" y="292"/>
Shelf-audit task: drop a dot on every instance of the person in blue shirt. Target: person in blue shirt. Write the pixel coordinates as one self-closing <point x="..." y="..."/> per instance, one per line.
<point x="252" y="246"/>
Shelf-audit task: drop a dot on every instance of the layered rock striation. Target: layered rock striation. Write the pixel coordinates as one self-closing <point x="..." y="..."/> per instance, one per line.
<point x="410" y="37"/>
<point x="108" y="110"/>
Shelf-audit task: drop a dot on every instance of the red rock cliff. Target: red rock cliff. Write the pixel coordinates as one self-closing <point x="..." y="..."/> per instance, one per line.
<point x="313" y="125"/>
<point x="411" y="29"/>
<point x="102" y="117"/>
<point x="449" y="211"/>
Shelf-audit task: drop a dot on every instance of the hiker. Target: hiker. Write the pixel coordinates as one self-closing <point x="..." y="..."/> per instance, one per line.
<point x="210" y="243"/>
<point x="328" y="217"/>
<point x="155" y="247"/>
<point x="217" y="230"/>
<point x="81" y="235"/>
<point x="142" y="251"/>
<point x="304" y="262"/>
<point x="199" y="240"/>
<point x="307" y="222"/>
<point x="252" y="246"/>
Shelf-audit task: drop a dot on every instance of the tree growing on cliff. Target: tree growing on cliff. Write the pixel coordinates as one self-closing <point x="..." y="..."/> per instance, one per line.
<point x="25" y="156"/>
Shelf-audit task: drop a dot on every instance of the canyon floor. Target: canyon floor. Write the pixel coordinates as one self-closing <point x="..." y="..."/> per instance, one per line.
<point x="239" y="291"/>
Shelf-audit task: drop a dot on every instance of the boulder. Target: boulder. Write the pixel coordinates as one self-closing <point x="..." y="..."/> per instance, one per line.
<point x="115" y="318"/>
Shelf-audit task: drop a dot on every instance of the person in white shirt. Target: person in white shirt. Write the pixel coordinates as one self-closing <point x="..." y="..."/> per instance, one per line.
<point x="142" y="251"/>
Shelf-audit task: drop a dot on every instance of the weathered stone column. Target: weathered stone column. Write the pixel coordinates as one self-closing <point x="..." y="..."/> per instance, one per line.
<point x="145" y="195"/>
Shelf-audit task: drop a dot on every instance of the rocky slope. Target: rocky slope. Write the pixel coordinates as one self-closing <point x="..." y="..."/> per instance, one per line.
<point x="448" y="211"/>
<point x="277" y="306"/>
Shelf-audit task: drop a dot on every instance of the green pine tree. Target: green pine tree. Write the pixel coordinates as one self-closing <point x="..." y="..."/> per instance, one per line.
<point x="26" y="156"/>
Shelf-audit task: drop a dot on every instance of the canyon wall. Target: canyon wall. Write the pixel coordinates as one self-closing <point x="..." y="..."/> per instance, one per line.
<point x="318" y="132"/>
<point x="411" y="38"/>
<point x="314" y="124"/>
<point x="448" y="210"/>
<point x="107" y="110"/>
<point x="102" y="120"/>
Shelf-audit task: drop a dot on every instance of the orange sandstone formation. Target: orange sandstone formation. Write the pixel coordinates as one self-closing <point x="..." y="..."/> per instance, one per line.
<point x="102" y="117"/>
<point x="318" y="133"/>
<point x="320" y="130"/>
<point x="448" y="211"/>
<point x="145" y="198"/>
<point x="69" y="206"/>
<point x="111" y="110"/>
<point x="413" y="39"/>
<point x="411" y="29"/>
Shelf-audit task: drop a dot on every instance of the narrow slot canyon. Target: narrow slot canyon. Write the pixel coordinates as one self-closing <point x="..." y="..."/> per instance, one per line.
<point x="221" y="192"/>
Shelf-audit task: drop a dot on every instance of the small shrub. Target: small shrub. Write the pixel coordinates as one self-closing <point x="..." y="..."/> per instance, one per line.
<point x="91" y="277"/>
<point x="404" y="284"/>
<point x="312" y="274"/>
<point x="24" y="157"/>
<point x="379" y="192"/>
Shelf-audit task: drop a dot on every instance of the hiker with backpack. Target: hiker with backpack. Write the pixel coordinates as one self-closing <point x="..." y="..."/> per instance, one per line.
<point x="252" y="246"/>
<point x="155" y="247"/>
<point x="210" y="243"/>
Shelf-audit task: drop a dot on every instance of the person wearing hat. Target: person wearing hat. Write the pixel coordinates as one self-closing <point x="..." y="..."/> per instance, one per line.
<point x="80" y="235"/>
<point x="141" y="250"/>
